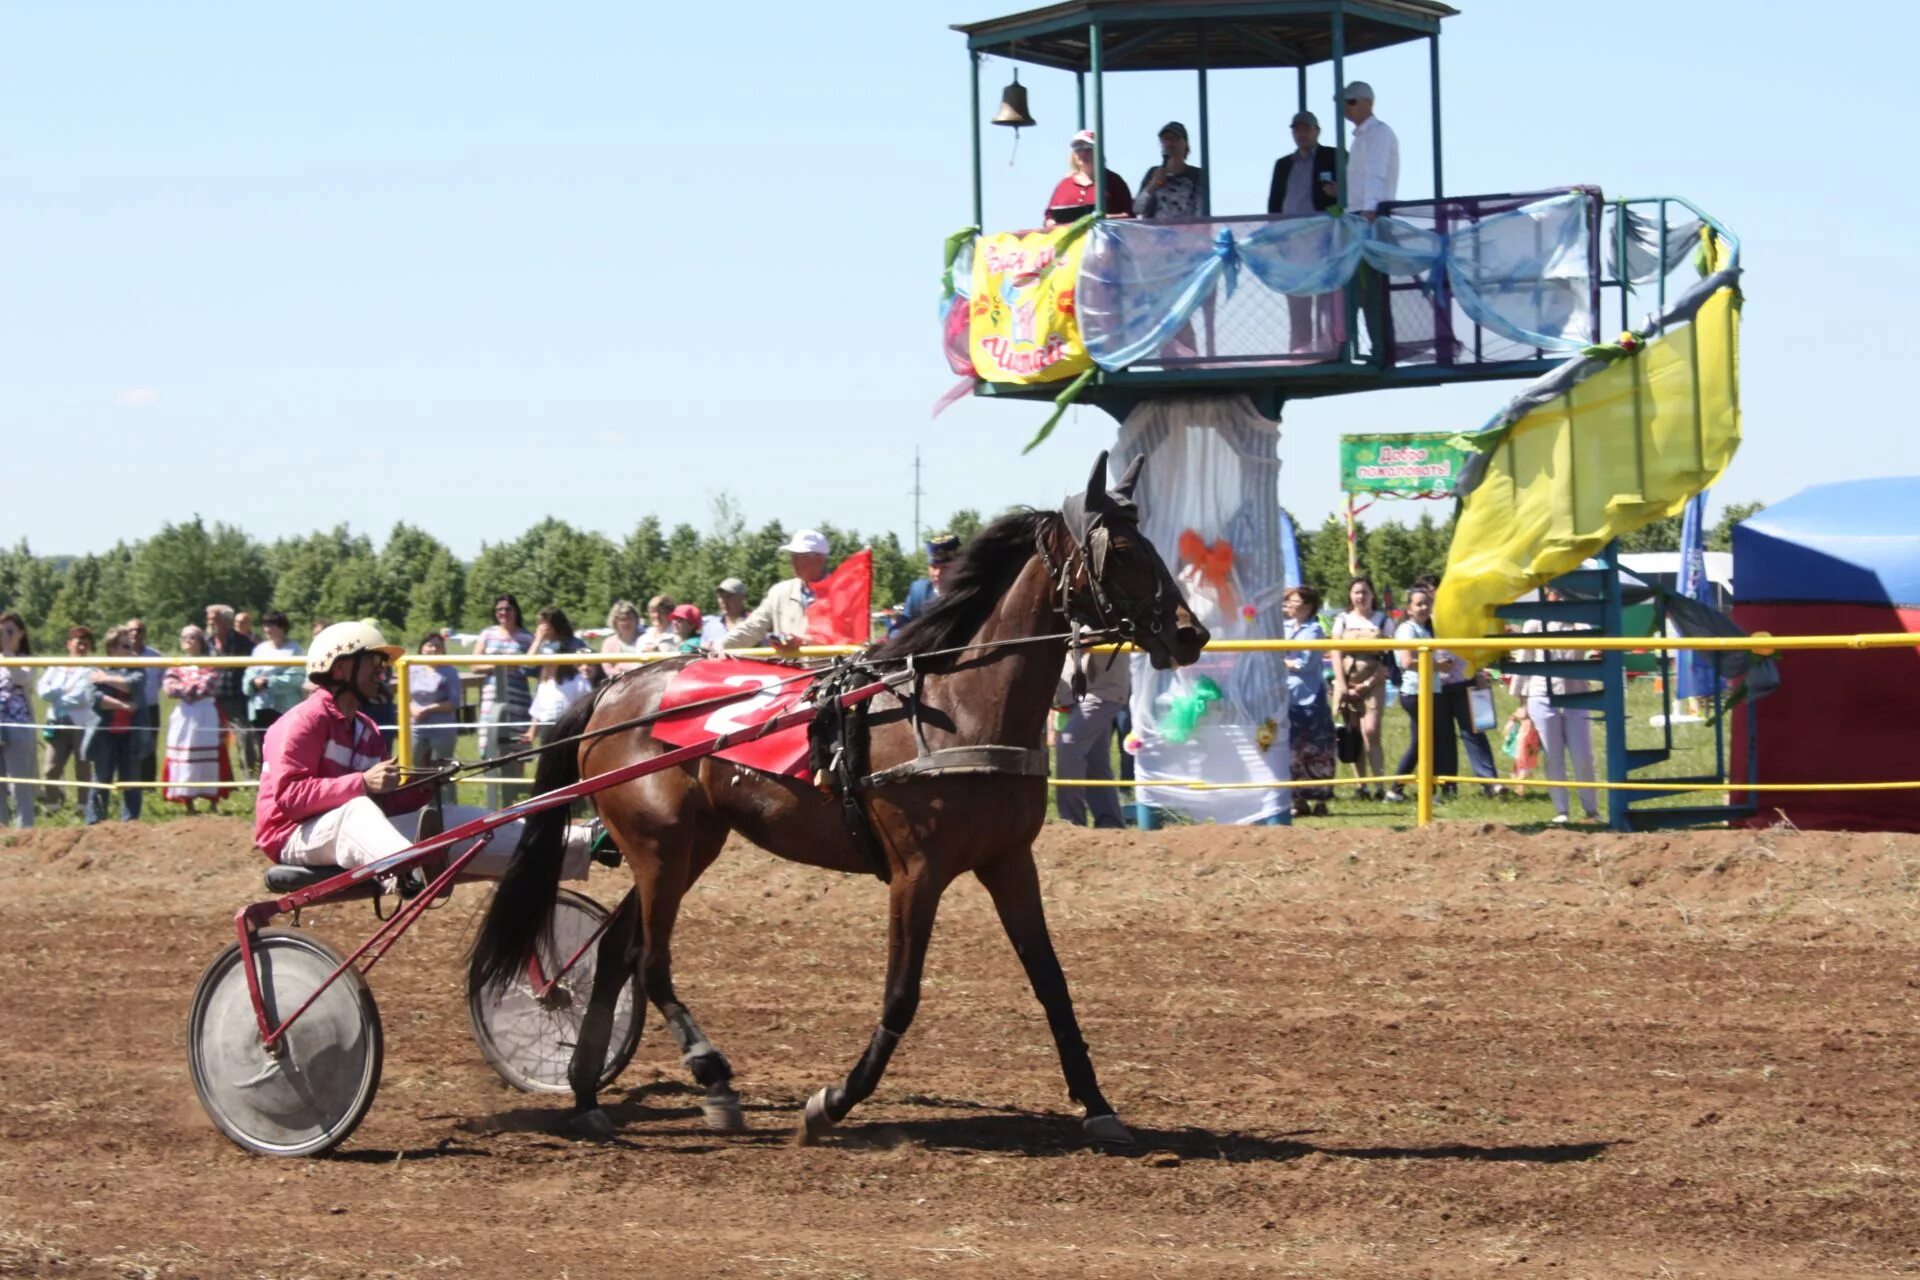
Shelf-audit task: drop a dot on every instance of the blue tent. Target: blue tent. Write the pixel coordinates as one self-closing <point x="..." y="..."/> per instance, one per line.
<point x="1836" y="559"/>
<point x="1852" y="542"/>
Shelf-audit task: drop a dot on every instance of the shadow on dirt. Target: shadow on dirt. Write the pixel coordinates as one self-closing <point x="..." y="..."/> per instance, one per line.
<point x="1035" y="1133"/>
<point x="656" y="1111"/>
<point x="1054" y="1135"/>
<point x="653" y="1110"/>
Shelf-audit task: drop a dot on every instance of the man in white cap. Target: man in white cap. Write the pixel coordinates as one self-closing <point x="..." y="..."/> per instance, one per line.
<point x="781" y="619"/>
<point x="1373" y="161"/>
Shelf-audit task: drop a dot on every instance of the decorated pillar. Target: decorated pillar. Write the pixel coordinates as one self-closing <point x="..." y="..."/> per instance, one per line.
<point x="1210" y="501"/>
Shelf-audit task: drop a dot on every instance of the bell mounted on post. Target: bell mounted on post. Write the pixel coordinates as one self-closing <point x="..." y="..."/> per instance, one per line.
<point x="1013" y="107"/>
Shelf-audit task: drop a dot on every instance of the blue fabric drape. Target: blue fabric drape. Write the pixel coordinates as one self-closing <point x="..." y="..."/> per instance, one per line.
<point x="1524" y="274"/>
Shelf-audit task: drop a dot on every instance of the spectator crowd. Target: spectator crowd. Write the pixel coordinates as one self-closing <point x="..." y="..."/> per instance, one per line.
<point x="100" y="719"/>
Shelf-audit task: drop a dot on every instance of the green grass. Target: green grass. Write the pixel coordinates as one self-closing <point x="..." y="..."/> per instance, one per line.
<point x="1693" y="754"/>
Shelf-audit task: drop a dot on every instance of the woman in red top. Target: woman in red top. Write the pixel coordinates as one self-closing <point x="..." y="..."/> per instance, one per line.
<point x="1075" y="191"/>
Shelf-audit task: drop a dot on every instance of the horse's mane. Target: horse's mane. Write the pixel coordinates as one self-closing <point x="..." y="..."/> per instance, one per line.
<point x="971" y="588"/>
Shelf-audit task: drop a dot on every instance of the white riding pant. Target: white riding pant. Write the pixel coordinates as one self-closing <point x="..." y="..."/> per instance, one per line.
<point x="358" y="832"/>
<point x="1564" y="732"/>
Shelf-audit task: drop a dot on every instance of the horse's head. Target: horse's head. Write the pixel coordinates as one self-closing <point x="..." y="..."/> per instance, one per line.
<point x="1116" y="581"/>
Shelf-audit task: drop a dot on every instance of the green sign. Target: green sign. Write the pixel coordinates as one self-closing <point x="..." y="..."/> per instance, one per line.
<point x="1422" y="464"/>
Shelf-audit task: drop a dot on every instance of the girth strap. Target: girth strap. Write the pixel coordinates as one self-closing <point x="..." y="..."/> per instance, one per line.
<point x="837" y="741"/>
<point x="1023" y="762"/>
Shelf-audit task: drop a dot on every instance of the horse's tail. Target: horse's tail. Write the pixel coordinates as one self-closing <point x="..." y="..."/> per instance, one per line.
<point x="522" y="908"/>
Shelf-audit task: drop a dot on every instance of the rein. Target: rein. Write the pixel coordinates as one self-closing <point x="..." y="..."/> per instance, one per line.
<point x="1060" y="581"/>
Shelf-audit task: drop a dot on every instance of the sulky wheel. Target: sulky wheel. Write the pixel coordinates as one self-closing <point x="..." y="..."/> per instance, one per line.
<point x="309" y="1096"/>
<point x="529" y="1039"/>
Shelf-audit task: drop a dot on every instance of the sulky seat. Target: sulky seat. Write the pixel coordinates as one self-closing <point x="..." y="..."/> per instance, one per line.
<point x="284" y="878"/>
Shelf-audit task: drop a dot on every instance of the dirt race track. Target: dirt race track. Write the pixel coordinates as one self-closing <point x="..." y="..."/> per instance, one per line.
<point x="1344" y="1054"/>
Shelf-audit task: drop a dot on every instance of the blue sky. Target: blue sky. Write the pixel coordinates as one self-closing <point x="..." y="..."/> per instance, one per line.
<point x="472" y="264"/>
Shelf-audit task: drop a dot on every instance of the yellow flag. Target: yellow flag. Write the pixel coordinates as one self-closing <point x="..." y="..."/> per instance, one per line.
<point x="1617" y="450"/>
<point x="1022" y="326"/>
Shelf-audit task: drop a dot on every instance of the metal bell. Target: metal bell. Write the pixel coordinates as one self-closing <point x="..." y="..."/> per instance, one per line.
<point x="1013" y="106"/>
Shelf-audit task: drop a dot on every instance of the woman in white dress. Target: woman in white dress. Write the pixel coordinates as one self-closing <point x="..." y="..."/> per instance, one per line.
<point x="196" y="762"/>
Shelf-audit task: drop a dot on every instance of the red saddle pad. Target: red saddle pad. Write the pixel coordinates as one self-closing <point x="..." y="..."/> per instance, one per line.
<point x="755" y="692"/>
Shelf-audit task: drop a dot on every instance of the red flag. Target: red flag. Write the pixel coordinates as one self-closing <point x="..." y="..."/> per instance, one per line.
<point x="838" y="614"/>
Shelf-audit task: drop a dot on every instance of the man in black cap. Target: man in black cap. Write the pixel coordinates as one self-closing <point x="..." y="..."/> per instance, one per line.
<point x="1173" y="190"/>
<point x="1304" y="183"/>
<point x="942" y="550"/>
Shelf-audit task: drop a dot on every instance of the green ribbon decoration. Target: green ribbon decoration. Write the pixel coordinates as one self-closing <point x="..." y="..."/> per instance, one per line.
<point x="954" y="242"/>
<point x="1060" y="403"/>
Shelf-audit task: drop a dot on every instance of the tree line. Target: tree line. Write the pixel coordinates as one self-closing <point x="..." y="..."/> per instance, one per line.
<point x="413" y="583"/>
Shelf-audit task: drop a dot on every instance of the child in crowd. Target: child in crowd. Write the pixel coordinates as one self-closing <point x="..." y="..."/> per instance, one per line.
<point x="1522" y="743"/>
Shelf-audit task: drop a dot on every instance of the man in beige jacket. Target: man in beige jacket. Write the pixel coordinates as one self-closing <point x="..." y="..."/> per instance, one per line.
<point x="781" y="619"/>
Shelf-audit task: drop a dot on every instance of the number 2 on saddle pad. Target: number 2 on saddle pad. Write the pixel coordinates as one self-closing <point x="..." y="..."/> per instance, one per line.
<point x="754" y="693"/>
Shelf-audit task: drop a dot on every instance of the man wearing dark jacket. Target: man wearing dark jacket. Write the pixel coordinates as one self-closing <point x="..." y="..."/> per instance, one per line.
<point x="1304" y="182"/>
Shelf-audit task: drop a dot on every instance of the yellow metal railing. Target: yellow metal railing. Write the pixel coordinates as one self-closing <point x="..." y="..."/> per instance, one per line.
<point x="1424" y="778"/>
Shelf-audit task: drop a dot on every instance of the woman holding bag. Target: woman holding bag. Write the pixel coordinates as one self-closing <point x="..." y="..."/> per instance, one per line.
<point x="1360" y="682"/>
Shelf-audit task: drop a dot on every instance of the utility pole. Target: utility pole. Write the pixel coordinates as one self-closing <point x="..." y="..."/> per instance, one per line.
<point x="918" y="493"/>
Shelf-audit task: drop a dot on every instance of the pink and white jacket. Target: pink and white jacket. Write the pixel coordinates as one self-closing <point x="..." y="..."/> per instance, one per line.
<point x="312" y="762"/>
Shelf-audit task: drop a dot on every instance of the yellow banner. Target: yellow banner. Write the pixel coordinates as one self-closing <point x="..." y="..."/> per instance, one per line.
<point x="1022" y="327"/>
<point x="1615" y="452"/>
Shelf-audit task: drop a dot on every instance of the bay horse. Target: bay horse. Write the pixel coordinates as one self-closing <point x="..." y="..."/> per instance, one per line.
<point x="961" y="749"/>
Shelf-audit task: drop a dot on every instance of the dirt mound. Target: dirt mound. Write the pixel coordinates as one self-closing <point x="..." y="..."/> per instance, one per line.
<point x="1444" y="1052"/>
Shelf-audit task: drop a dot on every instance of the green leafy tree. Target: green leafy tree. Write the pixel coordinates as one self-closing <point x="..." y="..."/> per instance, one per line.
<point x="352" y="589"/>
<point x="28" y="585"/>
<point x="437" y="597"/>
<point x="552" y="563"/>
<point x="893" y="570"/>
<point x="304" y="585"/>
<point x="178" y="572"/>
<point x="1323" y="560"/>
<point x="96" y="591"/>
<point x="1720" y="537"/>
<point x="766" y="562"/>
<point x="1661" y="535"/>
<point x="642" y="558"/>
<point x="962" y="524"/>
<point x="404" y="563"/>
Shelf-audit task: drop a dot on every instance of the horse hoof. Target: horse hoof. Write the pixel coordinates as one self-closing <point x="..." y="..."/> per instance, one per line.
<point x="1107" y="1129"/>
<point x="595" y="1125"/>
<point x="814" y="1122"/>
<point x="723" y="1115"/>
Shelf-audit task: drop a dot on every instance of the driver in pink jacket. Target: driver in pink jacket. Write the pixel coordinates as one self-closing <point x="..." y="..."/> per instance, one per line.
<point x="329" y="794"/>
<point x="327" y="785"/>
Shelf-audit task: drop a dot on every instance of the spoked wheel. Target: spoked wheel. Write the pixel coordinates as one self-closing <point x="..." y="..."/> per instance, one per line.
<point x="308" y="1097"/>
<point x="527" y="1038"/>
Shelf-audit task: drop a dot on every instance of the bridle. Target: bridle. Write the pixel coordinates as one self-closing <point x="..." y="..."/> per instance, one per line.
<point x="1113" y="615"/>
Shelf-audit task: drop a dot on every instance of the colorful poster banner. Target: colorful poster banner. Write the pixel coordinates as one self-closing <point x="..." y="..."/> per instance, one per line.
<point x="1412" y="465"/>
<point x="1022" y="326"/>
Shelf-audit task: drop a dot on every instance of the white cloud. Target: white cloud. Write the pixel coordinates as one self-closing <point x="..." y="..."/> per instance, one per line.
<point x="137" y="397"/>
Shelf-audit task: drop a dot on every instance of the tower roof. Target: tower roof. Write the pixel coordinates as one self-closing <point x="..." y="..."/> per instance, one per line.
<point x="1164" y="35"/>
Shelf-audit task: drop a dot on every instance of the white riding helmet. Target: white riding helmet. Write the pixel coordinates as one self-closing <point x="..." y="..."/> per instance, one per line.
<point x="343" y="640"/>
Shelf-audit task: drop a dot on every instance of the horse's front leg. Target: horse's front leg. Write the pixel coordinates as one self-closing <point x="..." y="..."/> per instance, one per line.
<point x="914" y="901"/>
<point x="1014" y="885"/>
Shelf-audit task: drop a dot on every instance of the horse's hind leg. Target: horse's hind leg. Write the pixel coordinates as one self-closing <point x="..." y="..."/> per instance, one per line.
<point x="663" y="881"/>
<point x="915" y="900"/>
<point x="1015" y="888"/>
<point x="615" y="959"/>
<point x="709" y="1067"/>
